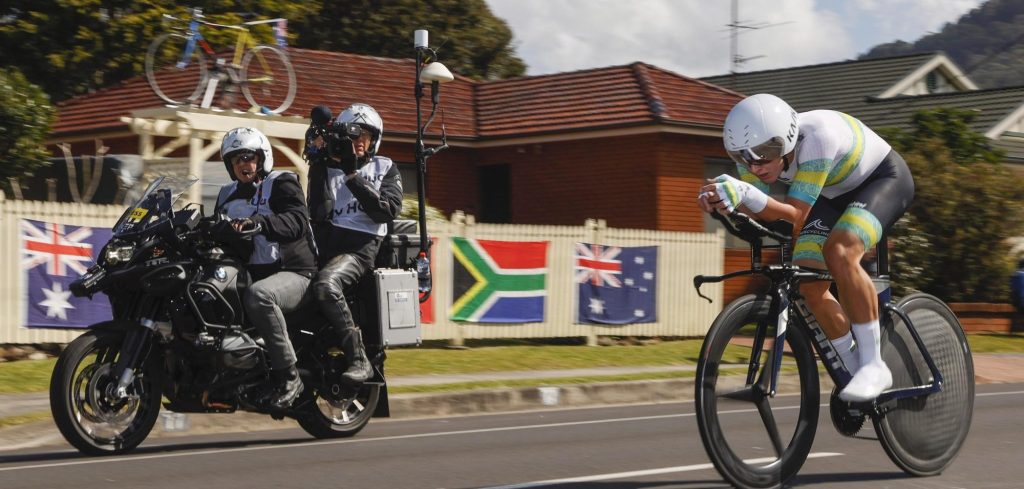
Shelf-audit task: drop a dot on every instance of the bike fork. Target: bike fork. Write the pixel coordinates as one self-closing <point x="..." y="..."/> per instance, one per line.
<point x="780" y="308"/>
<point x="135" y="348"/>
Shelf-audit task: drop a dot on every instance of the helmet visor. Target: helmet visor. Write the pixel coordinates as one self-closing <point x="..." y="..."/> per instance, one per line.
<point x="758" y="155"/>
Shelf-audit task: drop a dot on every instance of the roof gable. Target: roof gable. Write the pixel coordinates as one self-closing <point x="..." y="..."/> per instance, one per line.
<point x="845" y="85"/>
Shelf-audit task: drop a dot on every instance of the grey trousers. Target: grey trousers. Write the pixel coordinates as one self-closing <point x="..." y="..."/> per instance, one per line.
<point x="266" y="303"/>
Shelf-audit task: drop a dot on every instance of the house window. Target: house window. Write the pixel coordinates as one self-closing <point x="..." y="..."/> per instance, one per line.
<point x="495" y="194"/>
<point x="408" y="171"/>
<point x="931" y="81"/>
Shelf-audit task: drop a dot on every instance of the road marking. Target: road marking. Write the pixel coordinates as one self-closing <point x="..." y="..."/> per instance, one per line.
<point x="642" y="473"/>
<point x="998" y="393"/>
<point x="131" y="458"/>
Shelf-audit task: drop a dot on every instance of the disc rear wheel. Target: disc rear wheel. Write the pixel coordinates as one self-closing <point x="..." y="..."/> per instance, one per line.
<point x="922" y="435"/>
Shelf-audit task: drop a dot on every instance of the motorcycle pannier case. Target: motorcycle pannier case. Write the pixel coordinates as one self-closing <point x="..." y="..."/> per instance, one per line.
<point x="400" y="247"/>
<point x="398" y="297"/>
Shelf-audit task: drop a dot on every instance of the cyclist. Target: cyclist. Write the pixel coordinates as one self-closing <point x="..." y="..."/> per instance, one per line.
<point x="846" y="188"/>
<point x="283" y="258"/>
<point x="353" y="194"/>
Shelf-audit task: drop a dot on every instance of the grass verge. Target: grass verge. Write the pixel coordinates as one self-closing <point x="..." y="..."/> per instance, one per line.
<point x="34" y="375"/>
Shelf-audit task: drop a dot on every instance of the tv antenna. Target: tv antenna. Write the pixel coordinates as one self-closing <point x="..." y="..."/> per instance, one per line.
<point x="737" y="27"/>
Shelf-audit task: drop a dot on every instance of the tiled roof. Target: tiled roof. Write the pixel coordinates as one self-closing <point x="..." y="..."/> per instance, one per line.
<point x="334" y="79"/>
<point x="842" y="86"/>
<point x="991" y="107"/>
<point x="604" y="97"/>
<point x="853" y="87"/>
<point x="582" y="100"/>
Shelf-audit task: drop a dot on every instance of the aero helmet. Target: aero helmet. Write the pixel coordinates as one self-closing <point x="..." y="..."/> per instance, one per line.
<point x="369" y="120"/>
<point x="247" y="139"/>
<point x="760" y="127"/>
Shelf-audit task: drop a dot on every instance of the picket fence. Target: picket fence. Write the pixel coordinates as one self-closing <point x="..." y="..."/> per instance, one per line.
<point x="680" y="312"/>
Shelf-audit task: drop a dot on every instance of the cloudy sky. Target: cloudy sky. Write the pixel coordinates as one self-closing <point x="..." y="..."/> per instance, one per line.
<point x="690" y="37"/>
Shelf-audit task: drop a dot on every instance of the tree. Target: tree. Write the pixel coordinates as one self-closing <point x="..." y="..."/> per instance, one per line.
<point x="25" y="119"/>
<point x="471" y="40"/>
<point x="71" y="48"/>
<point x="953" y="241"/>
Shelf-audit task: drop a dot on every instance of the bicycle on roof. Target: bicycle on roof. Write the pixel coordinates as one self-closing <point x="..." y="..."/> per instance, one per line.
<point x="181" y="66"/>
<point x="760" y="347"/>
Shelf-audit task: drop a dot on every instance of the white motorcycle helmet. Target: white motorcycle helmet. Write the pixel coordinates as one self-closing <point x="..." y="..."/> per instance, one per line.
<point x="760" y="127"/>
<point x="247" y="139"/>
<point x="368" y="119"/>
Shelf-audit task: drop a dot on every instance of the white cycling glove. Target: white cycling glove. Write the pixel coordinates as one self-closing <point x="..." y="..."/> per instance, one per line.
<point x="735" y="192"/>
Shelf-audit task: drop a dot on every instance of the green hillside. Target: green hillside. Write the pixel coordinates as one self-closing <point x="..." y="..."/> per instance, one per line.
<point x="987" y="42"/>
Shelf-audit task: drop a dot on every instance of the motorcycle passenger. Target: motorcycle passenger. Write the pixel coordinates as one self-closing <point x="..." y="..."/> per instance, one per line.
<point x="846" y="188"/>
<point x="353" y="194"/>
<point x="283" y="260"/>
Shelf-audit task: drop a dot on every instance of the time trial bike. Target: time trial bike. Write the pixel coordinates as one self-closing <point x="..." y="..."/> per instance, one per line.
<point x="758" y="426"/>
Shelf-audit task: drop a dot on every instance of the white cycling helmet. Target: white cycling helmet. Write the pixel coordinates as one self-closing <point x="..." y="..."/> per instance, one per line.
<point x="247" y="139"/>
<point x="760" y="127"/>
<point x="368" y="119"/>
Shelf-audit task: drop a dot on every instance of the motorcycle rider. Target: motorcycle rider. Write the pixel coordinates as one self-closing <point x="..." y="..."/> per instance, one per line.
<point x="283" y="259"/>
<point x="353" y="194"/>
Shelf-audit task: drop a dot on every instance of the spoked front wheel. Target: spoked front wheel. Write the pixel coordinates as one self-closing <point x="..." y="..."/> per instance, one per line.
<point x="755" y="441"/>
<point x="922" y="435"/>
<point x="84" y="402"/>
<point x="176" y="79"/>
<point x="268" y="79"/>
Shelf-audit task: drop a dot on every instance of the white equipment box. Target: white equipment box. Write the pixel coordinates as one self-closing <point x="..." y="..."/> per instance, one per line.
<point x="399" y="299"/>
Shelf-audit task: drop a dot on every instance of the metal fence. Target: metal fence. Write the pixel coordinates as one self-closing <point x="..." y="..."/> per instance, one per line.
<point x="680" y="312"/>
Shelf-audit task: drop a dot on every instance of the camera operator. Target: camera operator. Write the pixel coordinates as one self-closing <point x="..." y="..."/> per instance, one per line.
<point x="353" y="194"/>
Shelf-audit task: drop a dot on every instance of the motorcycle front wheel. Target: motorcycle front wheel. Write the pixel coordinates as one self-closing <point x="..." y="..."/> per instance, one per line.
<point x="90" y="417"/>
<point x="340" y="416"/>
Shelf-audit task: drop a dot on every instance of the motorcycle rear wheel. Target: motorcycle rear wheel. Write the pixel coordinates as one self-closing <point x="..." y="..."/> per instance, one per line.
<point x="88" y="417"/>
<point x="326" y="418"/>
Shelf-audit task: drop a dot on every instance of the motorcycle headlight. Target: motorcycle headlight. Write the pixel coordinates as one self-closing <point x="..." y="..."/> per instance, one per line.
<point x="119" y="253"/>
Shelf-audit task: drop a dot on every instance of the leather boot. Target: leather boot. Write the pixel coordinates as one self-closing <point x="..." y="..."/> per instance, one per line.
<point x="359" y="368"/>
<point x="287" y="387"/>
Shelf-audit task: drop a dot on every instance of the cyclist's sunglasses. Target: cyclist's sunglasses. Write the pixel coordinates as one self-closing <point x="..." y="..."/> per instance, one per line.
<point x="761" y="154"/>
<point x="243" y="157"/>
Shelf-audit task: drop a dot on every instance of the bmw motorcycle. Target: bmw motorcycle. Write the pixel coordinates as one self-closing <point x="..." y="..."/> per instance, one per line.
<point x="179" y="333"/>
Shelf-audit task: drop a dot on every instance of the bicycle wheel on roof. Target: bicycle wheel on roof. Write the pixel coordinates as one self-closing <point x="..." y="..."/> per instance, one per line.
<point x="268" y="79"/>
<point x="175" y="79"/>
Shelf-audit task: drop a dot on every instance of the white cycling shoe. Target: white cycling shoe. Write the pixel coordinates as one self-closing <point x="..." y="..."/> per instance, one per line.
<point x="869" y="381"/>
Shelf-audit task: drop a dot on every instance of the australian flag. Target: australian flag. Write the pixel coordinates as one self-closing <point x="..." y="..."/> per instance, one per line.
<point x="53" y="256"/>
<point x="617" y="285"/>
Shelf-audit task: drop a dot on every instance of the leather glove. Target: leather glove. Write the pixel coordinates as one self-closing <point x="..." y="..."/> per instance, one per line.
<point x="348" y="157"/>
<point x="244" y="225"/>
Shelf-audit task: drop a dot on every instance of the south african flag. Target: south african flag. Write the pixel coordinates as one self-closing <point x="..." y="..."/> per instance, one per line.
<point x="498" y="281"/>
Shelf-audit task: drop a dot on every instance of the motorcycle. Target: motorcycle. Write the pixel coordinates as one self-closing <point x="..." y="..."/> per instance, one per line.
<point x="179" y="332"/>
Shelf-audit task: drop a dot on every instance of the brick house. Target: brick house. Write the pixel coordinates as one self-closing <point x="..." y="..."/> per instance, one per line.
<point x="624" y="143"/>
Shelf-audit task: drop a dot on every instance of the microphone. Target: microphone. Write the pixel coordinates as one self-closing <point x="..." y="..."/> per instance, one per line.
<point x="320" y="122"/>
<point x="321" y="115"/>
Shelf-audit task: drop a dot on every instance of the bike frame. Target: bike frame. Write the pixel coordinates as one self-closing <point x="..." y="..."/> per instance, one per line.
<point x="243" y="41"/>
<point x="785" y="295"/>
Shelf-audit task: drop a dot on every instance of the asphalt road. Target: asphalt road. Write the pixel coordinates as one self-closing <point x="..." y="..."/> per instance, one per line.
<point x="638" y="446"/>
